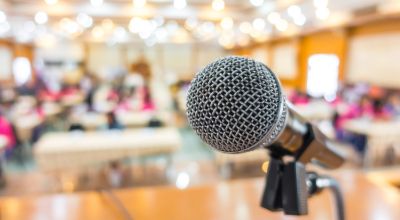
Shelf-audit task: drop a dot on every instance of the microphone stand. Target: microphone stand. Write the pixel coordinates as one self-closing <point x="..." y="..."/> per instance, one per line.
<point x="288" y="187"/>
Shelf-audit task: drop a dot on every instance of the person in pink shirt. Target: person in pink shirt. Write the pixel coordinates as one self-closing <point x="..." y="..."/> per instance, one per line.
<point x="364" y="107"/>
<point x="299" y="98"/>
<point x="148" y="104"/>
<point x="7" y="131"/>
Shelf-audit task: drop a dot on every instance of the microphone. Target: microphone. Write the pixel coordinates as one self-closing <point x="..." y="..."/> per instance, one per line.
<point x="236" y="105"/>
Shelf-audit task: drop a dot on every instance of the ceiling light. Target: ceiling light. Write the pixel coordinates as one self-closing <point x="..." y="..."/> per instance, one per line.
<point x="218" y="5"/>
<point x="144" y="34"/>
<point x="4" y="27"/>
<point x="294" y="10"/>
<point x="107" y="24"/>
<point x="208" y="27"/>
<point x="97" y="32"/>
<point x="136" y="24"/>
<point x="274" y="17"/>
<point x="161" y="34"/>
<point x="321" y="3"/>
<point x="159" y="20"/>
<point x="322" y="13"/>
<point x="84" y="20"/>
<point x="142" y="27"/>
<point x="245" y="27"/>
<point x="180" y="4"/>
<point x="191" y="23"/>
<point x="172" y="27"/>
<point x="3" y="17"/>
<point x="51" y="2"/>
<point x="259" y="24"/>
<point x="70" y="26"/>
<point x="227" y="23"/>
<point x="296" y="14"/>
<point x="139" y="3"/>
<point x="96" y="3"/>
<point x="257" y="2"/>
<point x="41" y="17"/>
<point x="282" y="25"/>
<point x="119" y="34"/>
<point x="205" y="31"/>
<point x="29" y="26"/>
<point x="299" y="20"/>
<point x="147" y="30"/>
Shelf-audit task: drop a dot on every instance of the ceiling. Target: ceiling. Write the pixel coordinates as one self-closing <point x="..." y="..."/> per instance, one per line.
<point x="239" y="9"/>
<point x="121" y="12"/>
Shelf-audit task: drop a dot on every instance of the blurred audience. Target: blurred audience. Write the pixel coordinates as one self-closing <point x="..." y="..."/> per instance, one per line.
<point x="358" y="101"/>
<point x="112" y="122"/>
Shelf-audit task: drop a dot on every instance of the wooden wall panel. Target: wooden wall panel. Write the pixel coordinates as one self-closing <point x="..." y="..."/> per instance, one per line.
<point x="376" y="27"/>
<point x="19" y="50"/>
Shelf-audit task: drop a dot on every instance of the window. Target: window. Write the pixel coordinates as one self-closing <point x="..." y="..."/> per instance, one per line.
<point x="22" y="70"/>
<point x="322" y="76"/>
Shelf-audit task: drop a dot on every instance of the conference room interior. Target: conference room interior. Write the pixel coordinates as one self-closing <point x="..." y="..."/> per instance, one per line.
<point x="93" y="100"/>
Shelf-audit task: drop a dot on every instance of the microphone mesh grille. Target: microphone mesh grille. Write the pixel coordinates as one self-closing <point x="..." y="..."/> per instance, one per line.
<point x="233" y="103"/>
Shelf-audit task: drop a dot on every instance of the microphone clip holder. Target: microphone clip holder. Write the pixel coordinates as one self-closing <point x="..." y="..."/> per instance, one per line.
<point x="288" y="187"/>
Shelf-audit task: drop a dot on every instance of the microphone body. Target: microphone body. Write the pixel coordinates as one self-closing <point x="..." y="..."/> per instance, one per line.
<point x="236" y="105"/>
<point x="305" y="142"/>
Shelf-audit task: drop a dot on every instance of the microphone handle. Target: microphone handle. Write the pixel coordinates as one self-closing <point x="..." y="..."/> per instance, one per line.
<point x="318" y="149"/>
<point x="306" y="142"/>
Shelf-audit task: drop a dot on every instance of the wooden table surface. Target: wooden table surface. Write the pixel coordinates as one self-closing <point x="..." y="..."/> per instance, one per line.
<point x="364" y="199"/>
<point x="59" y="150"/>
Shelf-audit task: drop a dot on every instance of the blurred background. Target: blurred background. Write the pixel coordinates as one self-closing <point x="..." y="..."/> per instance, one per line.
<point x="92" y="92"/>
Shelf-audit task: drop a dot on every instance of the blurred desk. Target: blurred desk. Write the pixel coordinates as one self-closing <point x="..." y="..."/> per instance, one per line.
<point x="74" y="149"/>
<point x="251" y="156"/>
<point x="72" y="99"/>
<point x="381" y="135"/>
<point x="239" y="199"/>
<point x="142" y="119"/>
<point x="92" y="121"/>
<point x="316" y="110"/>
<point x="51" y="109"/>
<point x="25" y="124"/>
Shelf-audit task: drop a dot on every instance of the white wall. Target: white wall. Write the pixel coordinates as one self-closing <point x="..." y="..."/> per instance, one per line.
<point x="179" y="61"/>
<point x="68" y="53"/>
<point x="61" y="51"/>
<point x="261" y="54"/>
<point x="375" y="59"/>
<point x="104" y="60"/>
<point x="173" y="61"/>
<point x="284" y="60"/>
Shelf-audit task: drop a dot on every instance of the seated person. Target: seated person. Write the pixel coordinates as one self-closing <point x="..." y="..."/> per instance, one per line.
<point x="380" y="110"/>
<point x="147" y="104"/>
<point x="112" y="122"/>
<point x="394" y="104"/>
